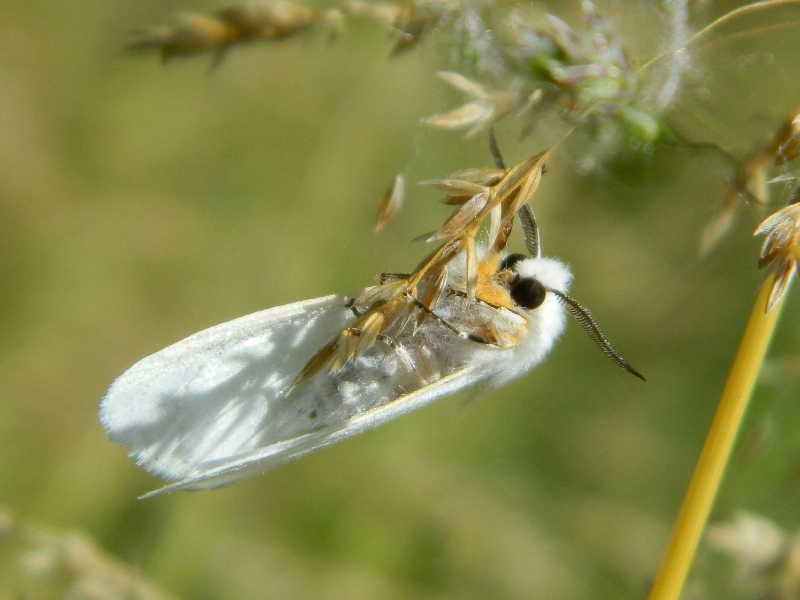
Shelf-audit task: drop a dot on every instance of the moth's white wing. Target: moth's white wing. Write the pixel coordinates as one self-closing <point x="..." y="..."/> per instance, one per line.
<point x="207" y="397"/>
<point x="278" y="453"/>
<point x="217" y="407"/>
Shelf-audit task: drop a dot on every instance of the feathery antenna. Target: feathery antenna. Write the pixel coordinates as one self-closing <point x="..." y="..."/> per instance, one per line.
<point x="587" y="321"/>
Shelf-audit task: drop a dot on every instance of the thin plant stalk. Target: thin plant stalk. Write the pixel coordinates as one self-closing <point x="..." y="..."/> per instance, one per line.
<point x="755" y="6"/>
<point x="717" y="450"/>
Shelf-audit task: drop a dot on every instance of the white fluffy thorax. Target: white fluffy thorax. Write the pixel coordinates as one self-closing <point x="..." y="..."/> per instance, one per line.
<point x="545" y="323"/>
<point x="551" y="273"/>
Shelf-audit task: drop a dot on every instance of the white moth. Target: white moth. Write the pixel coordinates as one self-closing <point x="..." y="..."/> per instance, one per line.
<point x="242" y="397"/>
<point x="220" y="405"/>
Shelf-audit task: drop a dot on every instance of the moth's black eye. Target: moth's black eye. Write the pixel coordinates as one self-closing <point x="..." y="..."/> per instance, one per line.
<point x="511" y="260"/>
<point x="528" y="293"/>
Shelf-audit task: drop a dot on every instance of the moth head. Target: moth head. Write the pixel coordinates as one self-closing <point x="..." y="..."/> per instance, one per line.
<point x="531" y="280"/>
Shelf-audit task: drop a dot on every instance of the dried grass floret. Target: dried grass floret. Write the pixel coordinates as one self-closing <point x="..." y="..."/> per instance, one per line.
<point x="484" y="108"/>
<point x="391" y="202"/>
<point x="780" y="251"/>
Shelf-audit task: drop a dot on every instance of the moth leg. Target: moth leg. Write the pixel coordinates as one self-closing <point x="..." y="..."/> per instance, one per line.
<point x="515" y="310"/>
<point x="461" y="294"/>
<point x="483" y="338"/>
<point x="387" y="277"/>
<point x="497" y="337"/>
<point x="351" y="304"/>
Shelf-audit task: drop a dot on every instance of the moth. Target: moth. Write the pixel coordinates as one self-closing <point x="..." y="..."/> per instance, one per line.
<point x="235" y="400"/>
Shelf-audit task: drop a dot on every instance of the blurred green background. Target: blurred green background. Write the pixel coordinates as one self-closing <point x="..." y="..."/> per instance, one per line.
<point x="141" y="203"/>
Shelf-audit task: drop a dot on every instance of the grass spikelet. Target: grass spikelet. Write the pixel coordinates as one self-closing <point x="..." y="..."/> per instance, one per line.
<point x="192" y="34"/>
<point x="391" y="202"/>
<point x="749" y="184"/>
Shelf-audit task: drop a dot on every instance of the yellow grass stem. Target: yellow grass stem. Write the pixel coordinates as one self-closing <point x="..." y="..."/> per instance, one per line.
<point x="716" y="452"/>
